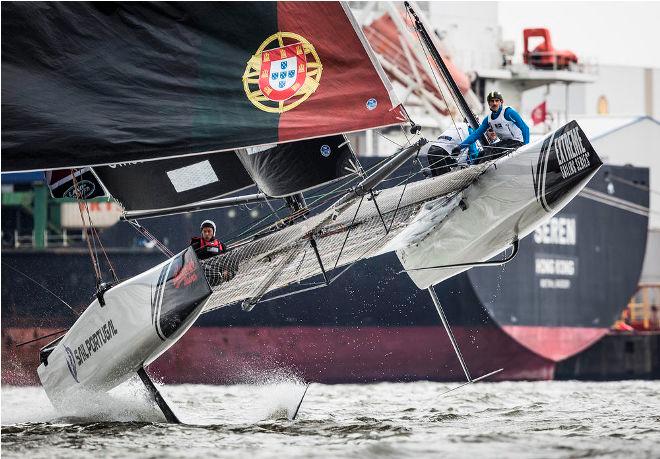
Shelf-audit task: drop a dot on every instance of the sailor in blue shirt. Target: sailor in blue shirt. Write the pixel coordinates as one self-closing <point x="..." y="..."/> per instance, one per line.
<point x="504" y="123"/>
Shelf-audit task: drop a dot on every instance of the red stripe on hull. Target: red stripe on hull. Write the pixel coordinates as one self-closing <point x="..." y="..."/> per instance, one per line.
<point x="555" y="343"/>
<point x="215" y="355"/>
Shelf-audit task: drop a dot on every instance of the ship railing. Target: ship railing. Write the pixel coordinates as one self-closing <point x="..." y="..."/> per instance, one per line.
<point x="63" y="239"/>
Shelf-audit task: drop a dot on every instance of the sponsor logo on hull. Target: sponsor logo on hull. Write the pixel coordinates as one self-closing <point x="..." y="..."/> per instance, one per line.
<point x="566" y="158"/>
<point x="85" y="350"/>
<point x="180" y="289"/>
<point x="71" y="363"/>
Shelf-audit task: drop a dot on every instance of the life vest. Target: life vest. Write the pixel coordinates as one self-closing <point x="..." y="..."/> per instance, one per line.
<point x="207" y="249"/>
<point x="504" y="128"/>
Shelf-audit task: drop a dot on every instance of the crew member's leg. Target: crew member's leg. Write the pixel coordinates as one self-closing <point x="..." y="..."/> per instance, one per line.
<point x="440" y="161"/>
<point x="498" y="149"/>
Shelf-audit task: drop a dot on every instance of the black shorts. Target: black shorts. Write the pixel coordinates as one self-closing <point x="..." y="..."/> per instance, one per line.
<point x="499" y="149"/>
<point x="440" y="160"/>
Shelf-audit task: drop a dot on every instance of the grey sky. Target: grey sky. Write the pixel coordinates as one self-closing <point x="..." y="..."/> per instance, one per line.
<point x="622" y="33"/>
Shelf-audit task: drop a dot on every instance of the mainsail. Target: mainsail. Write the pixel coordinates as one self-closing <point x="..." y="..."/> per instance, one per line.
<point x="88" y="84"/>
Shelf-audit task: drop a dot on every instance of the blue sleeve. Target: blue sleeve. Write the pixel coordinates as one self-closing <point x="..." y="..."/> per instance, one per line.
<point x="515" y="118"/>
<point x="481" y="130"/>
<point x="472" y="149"/>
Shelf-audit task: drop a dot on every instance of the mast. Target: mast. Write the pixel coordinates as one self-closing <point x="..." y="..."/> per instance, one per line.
<point x="462" y="103"/>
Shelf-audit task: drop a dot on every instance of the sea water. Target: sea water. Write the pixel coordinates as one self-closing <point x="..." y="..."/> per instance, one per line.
<point x="506" y="419"/>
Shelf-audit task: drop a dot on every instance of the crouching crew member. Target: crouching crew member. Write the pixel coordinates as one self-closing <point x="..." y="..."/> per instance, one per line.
<point x="503" y="123"/>
<point x="207" y="246"/>
<point x="439" y="152"/>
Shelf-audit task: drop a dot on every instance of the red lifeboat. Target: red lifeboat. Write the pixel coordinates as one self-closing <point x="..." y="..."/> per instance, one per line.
<point x="544" y="55"/>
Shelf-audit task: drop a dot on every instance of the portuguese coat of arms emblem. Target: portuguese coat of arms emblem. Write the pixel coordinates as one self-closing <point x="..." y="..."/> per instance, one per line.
<point x="283" y="73"/>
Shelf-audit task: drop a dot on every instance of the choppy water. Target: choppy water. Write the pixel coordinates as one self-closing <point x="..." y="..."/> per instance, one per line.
<point x="521" y="419"/>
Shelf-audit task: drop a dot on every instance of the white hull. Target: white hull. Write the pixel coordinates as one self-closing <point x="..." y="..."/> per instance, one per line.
<point x="142" y="318"/>
<point x="508" y="201"/>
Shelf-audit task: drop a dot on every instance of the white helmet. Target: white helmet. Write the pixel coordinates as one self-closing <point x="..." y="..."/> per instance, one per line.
<point x="207" y="224"/>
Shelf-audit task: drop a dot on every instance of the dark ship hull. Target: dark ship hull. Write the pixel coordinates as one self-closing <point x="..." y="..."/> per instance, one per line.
<point x="561" y="293"/>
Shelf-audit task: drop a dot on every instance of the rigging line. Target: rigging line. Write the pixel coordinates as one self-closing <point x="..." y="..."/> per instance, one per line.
<point x="343" y="271"/>
<point x="286" y="221"/>
<point x="145" y="232"/>
<point x="42" y="286"/>
<point x="105" y="255"/>
<point x="311" y="206"/>
<point x="388" y="139"/>
<point x="320" y="199"/>
<point x="414" y="173"/>
<point x="349" y="231"/>
<point x="408" y="141"/>
<point x="349" y="180"/>
<point x="82" y="218"/>
<point x="272" y="209"/>
<point x="398" y="204"/>
<point x="342" y="188"/>
<point x="97" y="236"/>
<point x="322" y="285"/>
<point x="428" y="60"/>
<point x="405" y="112"/>
<point x="163" y="248"/>
<point x="41" y="337"/>
<point x="373" y="198"/>
<point x="250" y="226"/>
<point x="442" y="94"/>
<point x="360" y="169"/>
<point x="372" y="168"/>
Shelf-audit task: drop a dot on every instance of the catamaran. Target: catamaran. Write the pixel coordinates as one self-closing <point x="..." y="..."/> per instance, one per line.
<point x="181" y="107"/>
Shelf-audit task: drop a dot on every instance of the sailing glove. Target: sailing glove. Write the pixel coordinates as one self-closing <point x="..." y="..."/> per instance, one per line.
<point x="457" y="149"/>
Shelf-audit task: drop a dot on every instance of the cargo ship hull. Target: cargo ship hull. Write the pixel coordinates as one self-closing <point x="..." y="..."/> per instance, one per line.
<point x="569" y="282"/>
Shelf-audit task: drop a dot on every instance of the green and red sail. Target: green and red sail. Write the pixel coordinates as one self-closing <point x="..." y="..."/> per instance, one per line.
<point x="106" y="83"/>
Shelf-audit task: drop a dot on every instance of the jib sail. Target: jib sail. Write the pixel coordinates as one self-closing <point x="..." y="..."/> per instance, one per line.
<point x="290" y="168"/>
<point x="174" y="182"/>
